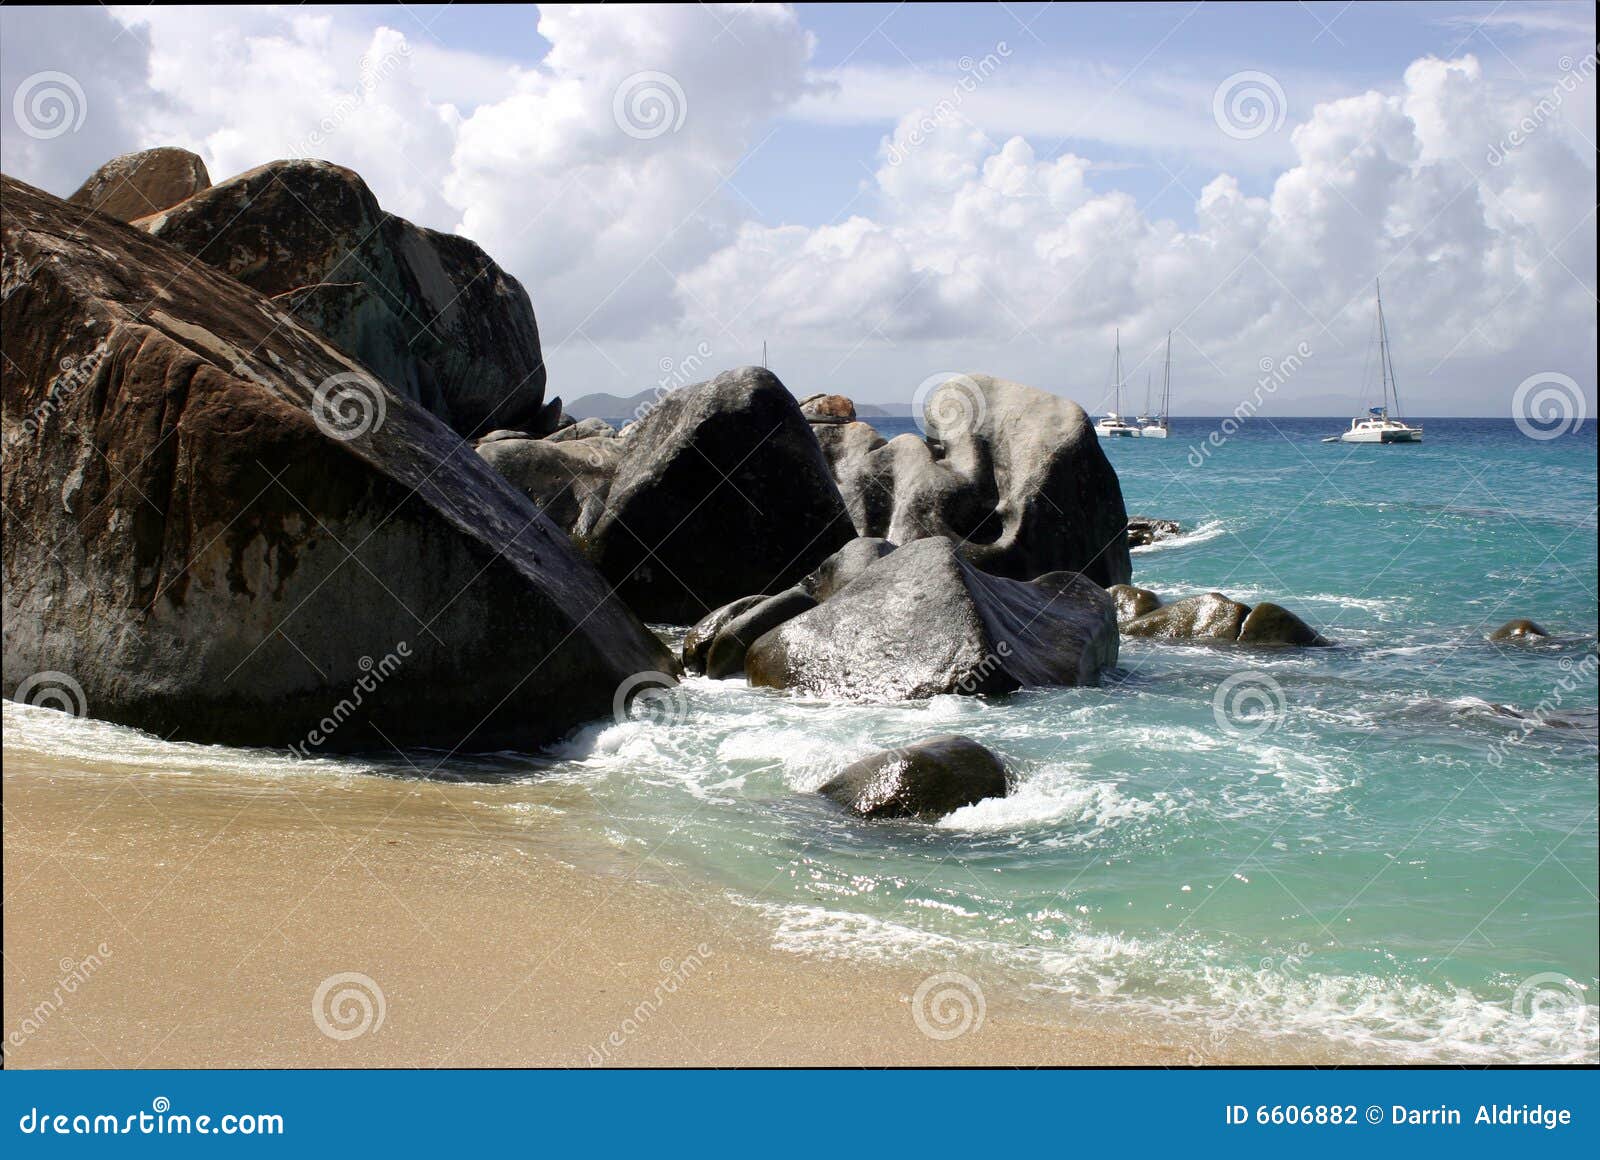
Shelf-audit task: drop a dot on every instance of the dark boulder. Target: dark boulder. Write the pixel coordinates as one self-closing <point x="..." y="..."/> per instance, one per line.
<point x="137" y="184"/>
<point x="504" y="433"/>
<point x="430" y="313"/>
<point x="1142" y="530"/>
<point x="1016" y="476"/>
<point x="922" y="621"/>
<point x="697" y="641"/>
<point x="1132" y="602"/>
<point x="1270" y="623"/>
<point x="1518" y="630"/>
<point x="1212" y="618"/>
<point x="721" y="491"/>
<point x="217" y="549"/>
<point x="725" y="657"/>
<point x="924" y="780"/>
<point x="559" y="476"/>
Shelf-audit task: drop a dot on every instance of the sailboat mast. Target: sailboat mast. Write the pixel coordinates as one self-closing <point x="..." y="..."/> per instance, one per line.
<point x="1116" y="375"/>
<point x="1385" y="369"/>
<point x="1166" y="384"/>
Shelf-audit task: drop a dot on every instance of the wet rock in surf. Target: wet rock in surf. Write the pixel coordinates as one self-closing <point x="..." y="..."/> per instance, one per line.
<point x="725" y="657"/>
<point x="135" y="185"/>
<point x="1143" y="530"/>
<point x="1132" y="602"/>
<point x="430" y="313"/>
<point x="1518" y="630"/>
<point x="923" y="621"/>
<point x="1014" y="475"/>
<point x="720" y="492"/>
<point x="1212" y="618"/>
<point x="697" y="641"/>
<point x="924" y="780"/>
<point x="213" y="556"/>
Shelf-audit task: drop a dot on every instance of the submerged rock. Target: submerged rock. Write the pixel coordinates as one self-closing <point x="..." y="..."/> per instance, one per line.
<point x="215" y="553"/>
<point x="1518" y="630"/>
<point x="137" y="184"/>
<point x="1143" y="530"/>
<point x="1132" y="602"/>
<point x="1013" y="474"/>
<point x="924" y="780"/>
<point x="720" y="492"/>
<point x="922" y="621"/>
<point x="430" y="313"/>
<point x="1213" y="618"/>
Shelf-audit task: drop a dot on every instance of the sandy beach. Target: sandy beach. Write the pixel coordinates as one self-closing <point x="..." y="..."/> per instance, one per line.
<point x="183" y="919"/>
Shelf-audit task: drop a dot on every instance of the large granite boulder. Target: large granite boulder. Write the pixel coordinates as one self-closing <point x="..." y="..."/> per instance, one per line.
<point x="845" y="565"/>
<point x="138" y="184"/>
<point x="1132" y="602"/>
<point x="1016" y="476"/>
<point x="430" y="313"/>
<point x="828" y="409"/>
<point x="1212" y="618"/>
<point x="721" y="491"/>
<point x="924" y="780"/>
<point x="923" y="621"/>
<point x="559" y="476"/>
<point x="223" y="529"/>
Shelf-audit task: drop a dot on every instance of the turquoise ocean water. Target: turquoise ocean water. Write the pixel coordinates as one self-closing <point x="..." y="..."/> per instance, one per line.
<point x="1389" y="845"/>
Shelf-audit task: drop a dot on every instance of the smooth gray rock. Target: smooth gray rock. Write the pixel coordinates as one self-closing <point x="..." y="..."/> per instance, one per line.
<point x="559" y="476"/>
<point x="1132" y="602"/>
<point x="720" y="492"/>
<point x="1271" y="624"/>
<point x="924" y="780"/>
<point x="1518" y="630"/>
<point x="725" y="658"/>
<point x="583" y="429"/>
<point x="505" y="433"/>
<point x="1013" y="474"/>
<point x="922" y="621"/>
<point x="697" y="641"/>
<point x="431" y="314"/>
<point x="187" y="537"/>
<point x="845" y="565"/>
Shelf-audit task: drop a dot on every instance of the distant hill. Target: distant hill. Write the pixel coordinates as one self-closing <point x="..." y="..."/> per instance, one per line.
<point x="604" y="406"/>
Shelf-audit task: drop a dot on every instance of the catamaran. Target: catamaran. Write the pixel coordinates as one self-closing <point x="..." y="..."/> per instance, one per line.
<point x="1378" y="425"/>
<point x="1113" y="426"/>
<point x="1157" y="428"/>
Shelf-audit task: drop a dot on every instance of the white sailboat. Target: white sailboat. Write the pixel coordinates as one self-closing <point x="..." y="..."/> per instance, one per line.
<point x="1378" y="425"/>
<point x="1113" y="426"/>
<point x="1157" y="428"/>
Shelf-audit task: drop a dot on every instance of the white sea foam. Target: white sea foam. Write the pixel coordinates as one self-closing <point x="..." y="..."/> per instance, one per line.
<point x="1209" y="530"/>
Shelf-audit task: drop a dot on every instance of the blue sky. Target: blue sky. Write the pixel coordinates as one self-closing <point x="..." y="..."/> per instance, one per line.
<point x="819" y="191"/>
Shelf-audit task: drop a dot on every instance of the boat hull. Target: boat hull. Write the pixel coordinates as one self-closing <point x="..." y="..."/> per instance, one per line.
<point x="1153" y="433"/>
<point x="1381" y="437"/>
<point x="1117" y="432"/>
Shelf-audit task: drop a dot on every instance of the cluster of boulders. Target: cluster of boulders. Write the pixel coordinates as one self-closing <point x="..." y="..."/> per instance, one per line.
<point x="262" y="432"/>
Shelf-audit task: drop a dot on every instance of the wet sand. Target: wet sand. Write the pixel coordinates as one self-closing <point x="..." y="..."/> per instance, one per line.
<point x="181" y="919"/>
